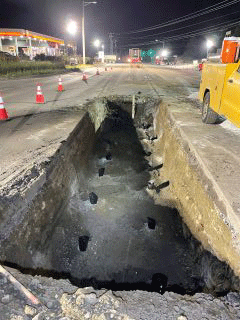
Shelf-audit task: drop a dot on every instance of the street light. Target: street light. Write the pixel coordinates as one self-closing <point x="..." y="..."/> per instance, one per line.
<point x="83" y="28"/>
<point x="210" y="44"/>
<point x="164" y="53"/>
<point x="72" y="27"/>
<point x="97" y="43"/>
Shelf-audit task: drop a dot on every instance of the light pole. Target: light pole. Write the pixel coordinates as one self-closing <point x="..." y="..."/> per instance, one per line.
<point x="103" y="53"/>
<point x="83" y="29"/>
<point x="160" y="41"/>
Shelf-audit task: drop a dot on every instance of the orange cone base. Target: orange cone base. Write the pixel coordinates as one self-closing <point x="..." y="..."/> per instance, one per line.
<point x="39" y="98"/>
<point x="60" y="88"/>
<point x="3" y="114"/>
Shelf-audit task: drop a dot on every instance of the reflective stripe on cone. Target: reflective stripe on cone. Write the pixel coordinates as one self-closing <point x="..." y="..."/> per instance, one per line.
<point x="39" y="95"/>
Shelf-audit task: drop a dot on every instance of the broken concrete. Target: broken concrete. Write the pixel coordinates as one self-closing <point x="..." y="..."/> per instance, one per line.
<point x="60" y="300"/>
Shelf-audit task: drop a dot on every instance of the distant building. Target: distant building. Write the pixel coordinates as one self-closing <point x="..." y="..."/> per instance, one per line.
<point x="110" y="58"/>
<point x="24" y="42"/>
<point x="107" y="58"/>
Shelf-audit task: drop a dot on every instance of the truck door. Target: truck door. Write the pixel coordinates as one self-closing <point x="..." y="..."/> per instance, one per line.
<point x="230" y="106"/>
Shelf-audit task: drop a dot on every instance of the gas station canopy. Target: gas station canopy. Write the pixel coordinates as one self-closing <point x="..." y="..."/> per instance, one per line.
<point x="17" y="41"/>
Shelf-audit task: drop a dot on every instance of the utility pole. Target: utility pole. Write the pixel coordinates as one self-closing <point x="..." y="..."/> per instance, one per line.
<point x="111" y="43"/>
<point x="115" y="46"/>
<point x="83" y="34"/>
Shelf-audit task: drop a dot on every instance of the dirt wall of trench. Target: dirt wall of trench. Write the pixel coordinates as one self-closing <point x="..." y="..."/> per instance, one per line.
<point x="191" y="190"/>
<point x="28" y="218"/>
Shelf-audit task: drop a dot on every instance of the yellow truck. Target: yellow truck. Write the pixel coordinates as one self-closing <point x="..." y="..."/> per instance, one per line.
<point x="220" y="90"/>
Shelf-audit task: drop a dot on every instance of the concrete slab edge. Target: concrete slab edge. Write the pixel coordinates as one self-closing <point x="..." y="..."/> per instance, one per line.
<point x="196" y="194"/>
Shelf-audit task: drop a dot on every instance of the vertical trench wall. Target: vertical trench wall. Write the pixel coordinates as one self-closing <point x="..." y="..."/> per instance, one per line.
<point x="189" y="186"/>
<point x="29" y="223"/>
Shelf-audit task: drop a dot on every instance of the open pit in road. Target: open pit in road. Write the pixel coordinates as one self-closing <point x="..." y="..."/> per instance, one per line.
<point x="102" y="212"/>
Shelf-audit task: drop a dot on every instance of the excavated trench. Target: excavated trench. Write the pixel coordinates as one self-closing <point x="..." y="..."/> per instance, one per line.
<point x="93" y="219"/>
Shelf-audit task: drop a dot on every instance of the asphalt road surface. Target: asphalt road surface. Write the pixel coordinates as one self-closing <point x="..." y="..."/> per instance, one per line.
<point x="20" y="94"/>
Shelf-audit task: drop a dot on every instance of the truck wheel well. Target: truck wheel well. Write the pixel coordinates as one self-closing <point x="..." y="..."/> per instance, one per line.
<point x="206" y="91"/>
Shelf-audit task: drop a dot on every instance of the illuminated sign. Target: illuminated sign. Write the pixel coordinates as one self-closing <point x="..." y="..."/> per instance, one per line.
<point x="25" y="33"/>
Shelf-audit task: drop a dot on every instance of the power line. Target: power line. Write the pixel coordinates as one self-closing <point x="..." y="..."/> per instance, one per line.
<point x="207" y="29"/>
<point x="219" y="27"/>
<point x="198" y="13"/>
<point x="190" y="25"/>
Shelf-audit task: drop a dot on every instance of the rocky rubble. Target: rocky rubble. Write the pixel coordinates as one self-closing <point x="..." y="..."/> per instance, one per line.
<point x="60" y="300"/>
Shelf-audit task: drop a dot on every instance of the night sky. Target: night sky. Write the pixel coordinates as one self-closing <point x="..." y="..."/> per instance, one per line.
<point x="120" y="17"/>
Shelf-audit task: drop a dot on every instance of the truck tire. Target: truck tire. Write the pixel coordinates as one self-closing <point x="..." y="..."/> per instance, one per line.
<point x="208" y="115"/>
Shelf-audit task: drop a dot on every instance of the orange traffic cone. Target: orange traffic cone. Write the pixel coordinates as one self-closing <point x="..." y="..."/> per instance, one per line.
<point x="60" y="85"/>
<point x="39" y="95"/>
<point x="97" y="73"/>
<point x="84" y="76"/>
<point x="3" y="112"/>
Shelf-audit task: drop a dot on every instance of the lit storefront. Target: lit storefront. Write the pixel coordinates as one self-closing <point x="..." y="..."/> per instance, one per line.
<point x="24" y="42"/>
